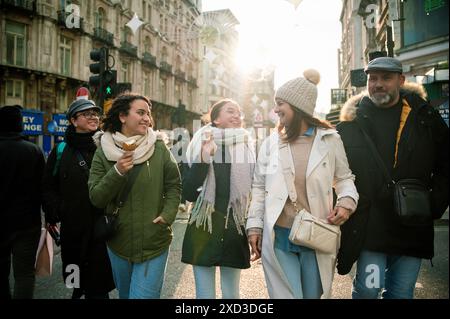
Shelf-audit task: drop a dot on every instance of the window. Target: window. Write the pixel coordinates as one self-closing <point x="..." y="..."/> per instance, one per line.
<point x="15" y="43"/>
<point x="147" y="84"/>
<point x="64" y="3"/>
<point x="177" y="92"/>
<point x="191" y="99"/>
<point x="147" y="44"/>
<point x="14" y="89"/>
<point x="164" y="54"/>
<point x="213" y="89"/>
<point x="149" y="13"/>
<point x="161" y="23"/>
<point x="62" y="101"/>
<point x="126" y="35"/>
<point x="178" y="63"/>
<point x="163" y="87"/>
<point x="65" y="55"/>
<point x="125" y="72"/>
<point x="190" y="70"/>
<point x="424" y="20"/>
<point x="100" y="18"/>
<point x="125" y="4"/>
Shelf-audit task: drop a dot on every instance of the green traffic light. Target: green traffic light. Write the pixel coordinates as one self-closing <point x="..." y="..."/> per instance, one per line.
<point x="108" y="90"/>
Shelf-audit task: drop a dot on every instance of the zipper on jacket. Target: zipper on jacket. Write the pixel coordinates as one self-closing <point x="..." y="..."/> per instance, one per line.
<point x="148" y="169"/>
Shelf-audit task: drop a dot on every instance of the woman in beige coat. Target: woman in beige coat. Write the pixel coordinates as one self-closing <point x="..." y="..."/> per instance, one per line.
<point x="318" y="163"/>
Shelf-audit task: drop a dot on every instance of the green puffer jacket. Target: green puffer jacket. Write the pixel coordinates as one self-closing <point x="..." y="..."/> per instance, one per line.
<point x="156" y="192"/>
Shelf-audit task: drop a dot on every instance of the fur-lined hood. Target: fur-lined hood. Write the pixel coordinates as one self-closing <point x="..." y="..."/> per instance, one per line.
<point x="348" y="111"/>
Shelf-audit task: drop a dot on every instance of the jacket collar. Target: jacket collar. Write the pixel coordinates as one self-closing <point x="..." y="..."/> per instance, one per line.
<point x="413" y="92"/>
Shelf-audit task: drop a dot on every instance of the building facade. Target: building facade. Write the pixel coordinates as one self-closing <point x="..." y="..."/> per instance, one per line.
<point x="45" y="45"/>
<point x="220" y="77"/>
<point x="415" y="32"/>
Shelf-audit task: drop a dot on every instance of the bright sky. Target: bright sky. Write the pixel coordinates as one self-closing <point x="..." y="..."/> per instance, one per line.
<point x="293" y="40"/>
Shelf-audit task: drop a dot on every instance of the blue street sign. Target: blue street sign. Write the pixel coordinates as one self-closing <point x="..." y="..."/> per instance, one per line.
<point x="47" y="145"/>
<point x="33" y="122"/>
<point x="60" y="124"/>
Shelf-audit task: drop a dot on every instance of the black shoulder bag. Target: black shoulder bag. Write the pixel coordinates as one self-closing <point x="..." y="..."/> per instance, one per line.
<point x="411" y="196"/>
<point x="106" y="226"/>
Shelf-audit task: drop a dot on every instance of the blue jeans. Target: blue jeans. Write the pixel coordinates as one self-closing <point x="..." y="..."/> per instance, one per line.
<point x="302" y="272"/>
<point x="394" y="276"/>
<point x="139" y="280"/>
<point x="205" y="282"/>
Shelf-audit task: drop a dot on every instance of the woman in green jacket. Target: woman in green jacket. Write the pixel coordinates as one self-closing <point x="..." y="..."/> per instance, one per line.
<point x="139" y="248"/>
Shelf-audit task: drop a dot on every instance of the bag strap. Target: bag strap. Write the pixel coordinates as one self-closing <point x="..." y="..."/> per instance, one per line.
<point x="377" y="156"/>
<point x="59" y="152"/>
<point x="81" y="162"/>
<point x="127" y="188"/>
<point x="286" y="166"/>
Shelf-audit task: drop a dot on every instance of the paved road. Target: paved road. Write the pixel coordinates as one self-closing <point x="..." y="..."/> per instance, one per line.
<point x="179" y="281"/>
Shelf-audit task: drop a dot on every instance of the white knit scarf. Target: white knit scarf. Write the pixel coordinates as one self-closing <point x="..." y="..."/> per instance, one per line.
<point x="242" y="158"/>
<point x="111" y="144"/>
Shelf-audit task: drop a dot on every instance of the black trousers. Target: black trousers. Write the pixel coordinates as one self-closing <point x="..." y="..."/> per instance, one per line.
<point x="20" y="248"/>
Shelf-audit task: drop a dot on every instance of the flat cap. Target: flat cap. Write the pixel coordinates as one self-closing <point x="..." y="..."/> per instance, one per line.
<point x="387" y="64"/>
<point x="81" y="105"/>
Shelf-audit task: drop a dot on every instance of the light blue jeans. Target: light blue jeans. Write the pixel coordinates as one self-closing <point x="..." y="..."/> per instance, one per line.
<point x="394" y="276"/>
<point x="205" y="282"/>
<point x="139" y="280"/>
<point x="302" y="272"/>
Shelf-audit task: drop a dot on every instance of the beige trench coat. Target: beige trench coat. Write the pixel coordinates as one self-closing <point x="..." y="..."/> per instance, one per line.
<point x="327" y="168"/>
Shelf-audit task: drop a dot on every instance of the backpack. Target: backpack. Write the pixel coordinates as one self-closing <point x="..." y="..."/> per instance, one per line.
<point x="59" y="152"/>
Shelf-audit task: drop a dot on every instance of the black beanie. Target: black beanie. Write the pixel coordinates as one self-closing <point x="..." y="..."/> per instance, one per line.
<point x="11" y="119"/>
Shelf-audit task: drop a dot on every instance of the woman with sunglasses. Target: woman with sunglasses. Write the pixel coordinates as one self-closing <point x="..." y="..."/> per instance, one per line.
<point x="66" y="200"/>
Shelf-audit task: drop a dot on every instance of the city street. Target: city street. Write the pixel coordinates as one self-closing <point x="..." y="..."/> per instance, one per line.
<point x="179" y="281"/>
<point x="121" y="105"/>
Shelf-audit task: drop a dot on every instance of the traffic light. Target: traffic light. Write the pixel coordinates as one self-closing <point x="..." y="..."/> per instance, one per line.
<point x="109" y="84"/>
<point x="101" y="58"/>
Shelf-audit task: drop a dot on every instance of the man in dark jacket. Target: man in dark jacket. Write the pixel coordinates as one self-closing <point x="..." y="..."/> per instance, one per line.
<point x="22" y="166"/>
<point x="412" y="141"/>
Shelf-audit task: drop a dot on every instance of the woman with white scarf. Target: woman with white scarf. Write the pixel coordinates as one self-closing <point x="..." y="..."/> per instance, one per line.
<point x="139" y="248"/>
<point x="221" y="162"/>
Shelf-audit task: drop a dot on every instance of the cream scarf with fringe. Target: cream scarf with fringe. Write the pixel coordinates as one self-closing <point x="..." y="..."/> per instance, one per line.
<point x="242" y="157"/>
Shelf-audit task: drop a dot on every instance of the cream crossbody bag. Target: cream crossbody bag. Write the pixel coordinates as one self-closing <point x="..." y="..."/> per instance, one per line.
<point x="308" y="230"/>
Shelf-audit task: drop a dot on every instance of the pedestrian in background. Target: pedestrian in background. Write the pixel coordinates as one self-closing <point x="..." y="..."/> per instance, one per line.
<point x="221" y="162"/>
<point x="318" y="162"/>
<point x="412" y="141"/>
<point x="139" y="249"/>
<point x="66" y="200"/>
<point x="22" y="165"/>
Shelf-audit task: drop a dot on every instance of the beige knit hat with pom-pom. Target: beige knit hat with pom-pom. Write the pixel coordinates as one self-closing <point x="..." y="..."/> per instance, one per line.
<point x="300" y="92"/>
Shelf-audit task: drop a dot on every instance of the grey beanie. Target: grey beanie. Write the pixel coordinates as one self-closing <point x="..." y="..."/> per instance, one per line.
<point x="300" y="92"/>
